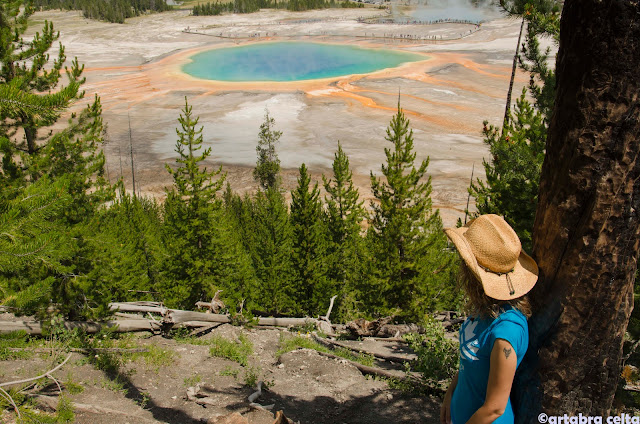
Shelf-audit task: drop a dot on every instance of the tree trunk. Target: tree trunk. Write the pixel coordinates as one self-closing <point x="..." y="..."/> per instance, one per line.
<point x="587" y="226"/>
<point x="514" y="67"/>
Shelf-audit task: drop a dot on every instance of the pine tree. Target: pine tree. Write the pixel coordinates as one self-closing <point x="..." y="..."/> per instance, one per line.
<point x="311" y="286"/>
<point x="346" y="254"/>
<point x="406" y="234"/>
<point x="189" y="217"/>
<point x="31" y="237"/>
<point x="518" y="149"/>
<point x="127" y="249"/>
<point x="70" y="160"/>
<point x="268" y="165"/>
<point x="513" y="175"/>
<point x="26" y="69"/>
<point x="271" y="244"/>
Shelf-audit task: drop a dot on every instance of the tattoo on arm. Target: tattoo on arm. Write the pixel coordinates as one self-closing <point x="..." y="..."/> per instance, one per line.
<point x="507" y="352"/>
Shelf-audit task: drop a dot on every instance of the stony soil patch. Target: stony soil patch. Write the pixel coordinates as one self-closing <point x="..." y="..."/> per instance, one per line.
<point x="307" y="387"/>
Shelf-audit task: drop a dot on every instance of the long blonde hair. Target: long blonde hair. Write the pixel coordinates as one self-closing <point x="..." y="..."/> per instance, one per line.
<point x="481" y="305"/>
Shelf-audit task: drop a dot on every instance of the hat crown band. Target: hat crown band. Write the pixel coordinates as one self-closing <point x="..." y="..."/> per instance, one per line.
<point x="494" y="244"/>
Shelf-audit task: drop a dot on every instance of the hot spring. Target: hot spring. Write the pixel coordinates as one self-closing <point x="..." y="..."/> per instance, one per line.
<point x="292" y="61"/>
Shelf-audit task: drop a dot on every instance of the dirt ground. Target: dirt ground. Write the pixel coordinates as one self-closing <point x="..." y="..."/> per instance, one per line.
<point x="307" y="387"/>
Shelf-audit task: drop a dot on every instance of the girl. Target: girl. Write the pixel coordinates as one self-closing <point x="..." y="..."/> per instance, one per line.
<point x="496" y="275"/>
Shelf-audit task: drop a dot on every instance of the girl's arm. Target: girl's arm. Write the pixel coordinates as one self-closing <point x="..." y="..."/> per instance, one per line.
<point x="445" y="409"/>
<point x="501" y="372"/>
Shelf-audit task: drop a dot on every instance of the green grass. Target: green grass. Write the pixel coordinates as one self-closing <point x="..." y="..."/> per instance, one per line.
<point x="287" y="344"/>
<point x="223" y="348"/>
<point x="235" y="351"/>
<point x="19" y="340"/>
<point x="192" y="381"/>
<point x="116" y="385"/>
<point x="156" y="357"/>
<point x="230" y="371"/>
<point x="71" y="386"/>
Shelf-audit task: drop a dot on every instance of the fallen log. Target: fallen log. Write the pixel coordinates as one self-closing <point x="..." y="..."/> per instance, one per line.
<point x="398" y="375"/>
<point x="286" y="322"/>
<point x="380" y="328"/>
<point x="50" y="404"/>
<point x="136" y="307"/>
<point x="80" y="349"/>
<point x="119" y="326"/>
<point x="387" y="339"/>
<point x="332" y="344"/>
<point x="176" y="316"/>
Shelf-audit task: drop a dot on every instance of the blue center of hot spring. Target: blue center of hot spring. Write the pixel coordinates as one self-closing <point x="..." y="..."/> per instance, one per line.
<point x="292" y="61"/>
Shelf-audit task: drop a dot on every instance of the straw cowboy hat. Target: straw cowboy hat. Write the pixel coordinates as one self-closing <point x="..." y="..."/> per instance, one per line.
<point x="493" y="253"/>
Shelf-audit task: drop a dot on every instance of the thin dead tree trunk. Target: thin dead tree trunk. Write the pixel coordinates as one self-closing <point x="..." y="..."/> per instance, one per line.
<point x="514" y="67"/>
<point x="133" y="171"/>
<point x="587" y="228"/>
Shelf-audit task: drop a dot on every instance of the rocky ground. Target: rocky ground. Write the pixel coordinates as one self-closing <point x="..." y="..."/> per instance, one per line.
<point x="306" y="386"/>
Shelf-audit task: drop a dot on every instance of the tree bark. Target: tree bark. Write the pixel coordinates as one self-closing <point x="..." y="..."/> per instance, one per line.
<point x="586" y="232"/>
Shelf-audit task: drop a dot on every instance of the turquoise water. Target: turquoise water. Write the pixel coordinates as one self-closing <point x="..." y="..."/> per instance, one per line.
<point x="292" y="61"/>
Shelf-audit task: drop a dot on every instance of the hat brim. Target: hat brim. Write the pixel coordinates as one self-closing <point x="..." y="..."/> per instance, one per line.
<point x="523" y="277"/>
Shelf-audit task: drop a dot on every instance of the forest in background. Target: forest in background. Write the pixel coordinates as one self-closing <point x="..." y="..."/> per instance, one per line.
<point x="115" y="11"/>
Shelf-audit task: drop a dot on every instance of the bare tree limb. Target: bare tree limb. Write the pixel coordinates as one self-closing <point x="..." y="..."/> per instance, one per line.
<point x="46" y="374"/>
<point x="332" y="343"/>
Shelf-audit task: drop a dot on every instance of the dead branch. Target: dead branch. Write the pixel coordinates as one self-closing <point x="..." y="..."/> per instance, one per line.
<point x="332" y="344"/>
<point x="128" y="316"/>
<point x="154" y="307"/>
<point x="255" y="395"/>
<point x="50" y="403"/>
<point x="326" y="317"/>
<point x="80" y="349"/>
<point x="398" y="375"/>
<point x="175" y="316"/>
<point x="380" y="328"/>
<point x="216" y="304"/>
<point x="8" y="397"/>
<point x="46" y="374"/>
<point x="119" y="326"/>
<point x="285" y="322"/>
<point x="387" y="339"/>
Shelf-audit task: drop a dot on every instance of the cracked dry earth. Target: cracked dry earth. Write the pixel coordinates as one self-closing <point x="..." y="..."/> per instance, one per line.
<point x="307" y="387"/>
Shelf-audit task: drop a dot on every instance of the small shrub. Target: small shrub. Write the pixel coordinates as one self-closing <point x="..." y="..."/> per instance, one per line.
<point x="156" y="357"/>
<point x="192" y="381"/>
<point x="437" y="355"/>
<point x="230" y="371"/>
<point x="251" y="376"/>
<point x="115" y="385"/>
<point x="235" y="351"/>
<point x="65" y="411"/>
<point x="71" y="386"/>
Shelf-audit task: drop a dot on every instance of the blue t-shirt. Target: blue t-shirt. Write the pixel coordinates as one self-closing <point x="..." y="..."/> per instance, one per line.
<point x="476" y="342"/>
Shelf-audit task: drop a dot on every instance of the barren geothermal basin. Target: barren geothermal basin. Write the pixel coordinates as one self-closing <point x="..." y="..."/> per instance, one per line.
<point x="292" y="61"/>
<point x="450" y="78"/>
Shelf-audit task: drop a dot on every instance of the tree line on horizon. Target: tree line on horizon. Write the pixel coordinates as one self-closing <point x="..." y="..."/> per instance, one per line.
<point x="115" y="11"/>
<point x="251" y="6"/>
